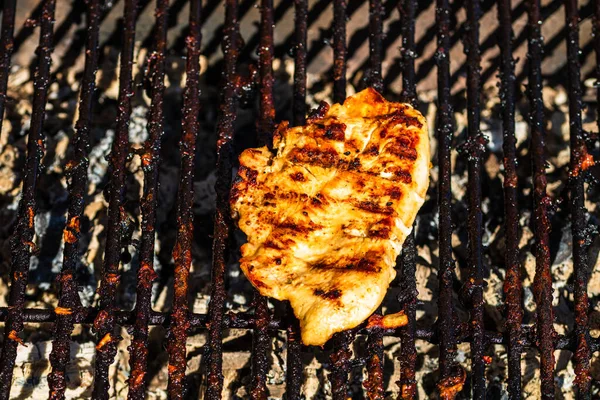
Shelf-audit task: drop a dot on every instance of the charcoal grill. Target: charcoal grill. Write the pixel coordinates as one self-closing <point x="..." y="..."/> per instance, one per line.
<point x="447" y="333"/>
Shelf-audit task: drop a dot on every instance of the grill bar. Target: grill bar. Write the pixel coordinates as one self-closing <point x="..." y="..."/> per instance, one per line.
<point x="475" y="148"/>
<point x="340" y="363"/>
<point x="182" y="252"/>
<point x="22" y="244"/>
<point x="452" y="376"/>
<point x="222" y="227"/>
<point x="69" y="297"/>
<point x="339" y="50"/>
<point x="512" y="283"/>
<point x="579" y="162"/>
<point x="301" y="31"/>
<point x="376" y="14"/>
<point x="341" y="354"/>
<point x="150" y="164"/>
<point x="6" y="49"/>
<point x="294" y="372"/>
<point x="543" y="280"/>
<point x="104" y="324"/>
<point x="374" y="381"/>
<point x="261" y="341"/>
<point x="408" y="258"/>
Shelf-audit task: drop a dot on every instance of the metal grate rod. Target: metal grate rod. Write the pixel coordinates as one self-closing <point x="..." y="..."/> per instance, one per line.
<point x="182" y="252"/>
<point x="222" y="227"/>
<point x="261" y="340"/>
<point x="579" y="162"/>
<point x="150" y="164"/>
<point x="104" y="324"/>
<point x="294" y="372"/>
<point x="339" y="50"/>
<point x="452" y="376"/>
<point x="6" y="49"/>
<point x="374" y="381"/>
<point x="512" y="283"/>
<point x="408" y="258"/>
<point x="78" y="167"/>
<point x="22" y="244"/>
<point x="475" y="147"/>
<point x="541" y="202"/>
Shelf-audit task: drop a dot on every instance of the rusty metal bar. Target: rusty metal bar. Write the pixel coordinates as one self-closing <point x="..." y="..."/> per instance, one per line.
<point x="340" y="357"/>
<point x="580" y="161"/>
<point x="150" y="164"/>
<point x="182" y="252"/>
<point x="408" y="259"/>
<point x="408" y="298"/>
<point x="77" y="170"/>
<point x="374" y="381"/>
<point x="340" y="363"/>
<point x="261" y="340"/>
<point x="451" y="374"/>
<point x="294" y="371"/>
<point x="408" y="15"/>
<point x="244" y="320"/>
<point x="376" y="13"/>
<point x="6" y="49"/>
<point x="543" y="279"/>
<point x="222" y="228"/>
<point x="300" y="34"/>
<point x="104" y="324"/>
<point x="512" y="282"/>
<point x="22" y="244"/>
<point x="339" y="50"/>
<point x="475" y="147"/>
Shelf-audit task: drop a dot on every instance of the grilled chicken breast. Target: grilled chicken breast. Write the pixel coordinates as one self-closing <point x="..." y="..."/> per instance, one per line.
<point x="326" y="215"/>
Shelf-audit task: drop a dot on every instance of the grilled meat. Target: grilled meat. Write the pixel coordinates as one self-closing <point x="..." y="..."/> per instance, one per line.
<point x="326" y="215"/>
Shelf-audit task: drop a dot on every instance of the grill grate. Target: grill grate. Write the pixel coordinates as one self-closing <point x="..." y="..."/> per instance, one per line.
<point x="447" y="333"/>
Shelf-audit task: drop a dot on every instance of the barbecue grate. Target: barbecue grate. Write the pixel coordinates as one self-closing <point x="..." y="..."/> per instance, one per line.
<point x="447" y="333"/>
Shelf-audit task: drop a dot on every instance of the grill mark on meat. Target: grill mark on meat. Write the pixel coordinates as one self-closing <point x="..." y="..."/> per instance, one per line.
<point x="333" y="294"/>
<point x="399" y="117"/>
<point x="366" y="264"/>
<point x="314" y="156"/>
<point x="336" y="131"/>
<point x="383" y="233"/>
<point x="374" y="208"/>
<point x="297" y="228"/>
<point x="402" y="151"/>
<point x="298" y="177"/>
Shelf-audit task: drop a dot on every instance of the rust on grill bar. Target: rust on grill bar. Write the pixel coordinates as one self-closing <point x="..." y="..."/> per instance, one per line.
<point x="294" y="370"/>
<point x="150" y="164"/>
<point x="374" y="77"/>
<point x="222" y="226"/>
<point x="512" y="282"/>
<point x="339" y="50"/>
<point x="78" y="168"/>
<point x="22" y="244"/>
<point x="451" y="374"/>
<point x="261" y="340"/>
<point x="182" y="252"/>
<point x="301" y="31"/>
<point x="374" y="381"/>
<point x="541" y="202"/>
<point x="474" y="148"/>
<point x="6" y="49"/>
<point x="579" y="162"/>
<point x="104" y="324"/>
<point x="408" y="258"/>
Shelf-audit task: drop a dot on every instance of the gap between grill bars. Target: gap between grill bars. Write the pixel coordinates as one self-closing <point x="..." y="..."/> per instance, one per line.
<point x="450" y="330"/>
